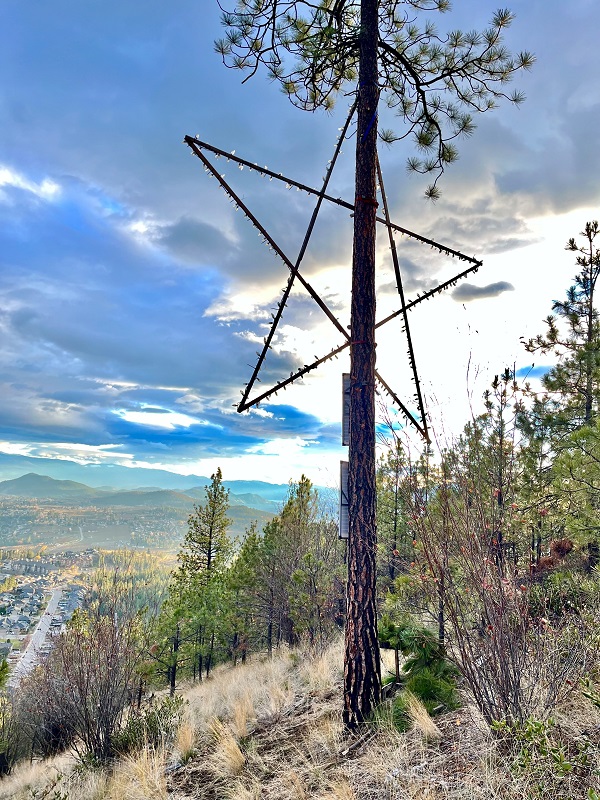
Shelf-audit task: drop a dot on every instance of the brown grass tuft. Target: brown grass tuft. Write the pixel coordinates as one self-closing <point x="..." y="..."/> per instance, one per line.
<point x="185" y="741"/>
<point x="139" y="777"/>
<point x="420" y="717"/>
<point x="226" y="759"/>
<point x="339" y="790"/>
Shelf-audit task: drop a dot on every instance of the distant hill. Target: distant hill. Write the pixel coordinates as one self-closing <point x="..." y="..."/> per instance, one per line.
<point x="275" y="493"/>
<point x="117" y="478"/>
<point x="251" y="500"/>
<point x="256" y="501"/>
<point x="242" y="510"/>
<point x="241" y="517"/>
<point x="151" y="499"/>
<point x="33" y="485"/>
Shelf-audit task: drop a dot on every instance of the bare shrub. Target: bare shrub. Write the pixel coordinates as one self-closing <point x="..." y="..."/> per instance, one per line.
<point x="13" y="741"/>
<point x="79" y="695"/>
<point x="515" y="663"/>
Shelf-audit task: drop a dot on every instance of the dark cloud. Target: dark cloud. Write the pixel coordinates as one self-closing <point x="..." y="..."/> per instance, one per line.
<point x="193" y="241"/>
<point x="468" y="291"/>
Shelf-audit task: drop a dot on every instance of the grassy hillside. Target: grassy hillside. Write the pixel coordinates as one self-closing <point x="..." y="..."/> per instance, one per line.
<point x="271" y="730"/>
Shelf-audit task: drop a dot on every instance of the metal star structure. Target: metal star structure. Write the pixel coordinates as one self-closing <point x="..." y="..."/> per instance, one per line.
<point x="199" y="148"/>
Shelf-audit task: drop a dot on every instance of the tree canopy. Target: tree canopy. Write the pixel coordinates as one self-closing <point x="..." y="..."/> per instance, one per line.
<point x="434" y="81"/>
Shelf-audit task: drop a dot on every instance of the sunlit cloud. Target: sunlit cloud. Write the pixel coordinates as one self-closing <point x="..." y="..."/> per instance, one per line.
<point x="69" y="451"/>
<point x="159" y="418"/>
<point x="47" y="189"/>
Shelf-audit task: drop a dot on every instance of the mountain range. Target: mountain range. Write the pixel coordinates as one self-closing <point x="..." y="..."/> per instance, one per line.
<point x="115" y="478"/>
<point x="44" y="487"/>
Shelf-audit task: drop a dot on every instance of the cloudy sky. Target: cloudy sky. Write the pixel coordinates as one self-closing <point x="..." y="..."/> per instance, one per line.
<point x="133" y="296"/>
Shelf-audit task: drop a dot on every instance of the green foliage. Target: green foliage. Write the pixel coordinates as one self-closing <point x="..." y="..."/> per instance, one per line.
<point x="426" y="672"/>
<point x="155" y="727"/>
<point x="206" y="547"/>
<point x="394" y="542"/>
<point x="293" y="574"/>
<point x="436" y="693"/>
<point x="539" y="752"/>
<point x="399" y="711"/>
<point x="589" y="691"/>
<point x="142" y="576"/>
<point x="575" y="480"/>
<point x="561" y="425"/>
<point x="9" y="584"/>
<point x="4" y="673"/>
<point x="420" y="646"/>
<point x="562" y="593"/>
<point x="434" y="81"/>
<point x="190" y="625"/>
<point x="573" y="333"/>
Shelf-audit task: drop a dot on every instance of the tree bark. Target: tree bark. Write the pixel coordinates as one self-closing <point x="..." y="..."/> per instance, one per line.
<point x="174" y="657"/>
<point x="362" y="671"/>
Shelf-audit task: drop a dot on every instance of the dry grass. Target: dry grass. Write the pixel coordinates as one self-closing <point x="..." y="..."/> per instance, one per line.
<point x="320" y="673"/>
<point x="185" y="741"/>
<point x="245" y="692"/>
<point x="54" y="778"/>
<point x="242" y="714"/>
<point x="420" y="717"/>
<point x="271" y="730"/>
<point x="340" y="790"/>
<point x="26" y="777"/>
<point x="226" y="759"/>
<point x="139" y="777"/>
<point x="239" y="791"/>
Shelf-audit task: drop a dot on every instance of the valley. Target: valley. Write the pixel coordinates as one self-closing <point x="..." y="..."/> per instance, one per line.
<point x="56" y="515"/>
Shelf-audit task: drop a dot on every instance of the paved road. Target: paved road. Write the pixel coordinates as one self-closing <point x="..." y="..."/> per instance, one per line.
<point x="29" y="657"/>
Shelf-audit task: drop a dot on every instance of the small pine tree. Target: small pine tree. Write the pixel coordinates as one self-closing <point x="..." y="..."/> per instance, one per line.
<point x="206" y="547"/>
<point x="574" y="383"/>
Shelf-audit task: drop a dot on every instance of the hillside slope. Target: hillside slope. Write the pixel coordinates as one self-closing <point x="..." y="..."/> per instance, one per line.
<point x="271" y="730"/>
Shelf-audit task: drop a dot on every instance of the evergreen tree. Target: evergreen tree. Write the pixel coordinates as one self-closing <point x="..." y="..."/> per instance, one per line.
<point x="562" y="423"/>
<point x="243" y="596"/>
<point x="575" y="487"/>
<point x="287" y="583"/>
<point x="206" y="546"/>
<point x="194" y="616"/>
<point x="573" y="334"/>
<point x="435" y="83"/>
<point x="394" y="551"/>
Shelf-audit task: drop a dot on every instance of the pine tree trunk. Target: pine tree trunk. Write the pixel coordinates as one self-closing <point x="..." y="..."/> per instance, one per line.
<point x="209" y="657"/>
<point x="362" y="671"/>
<point x="270" y="627"/>
<point x="175" y="656"/>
